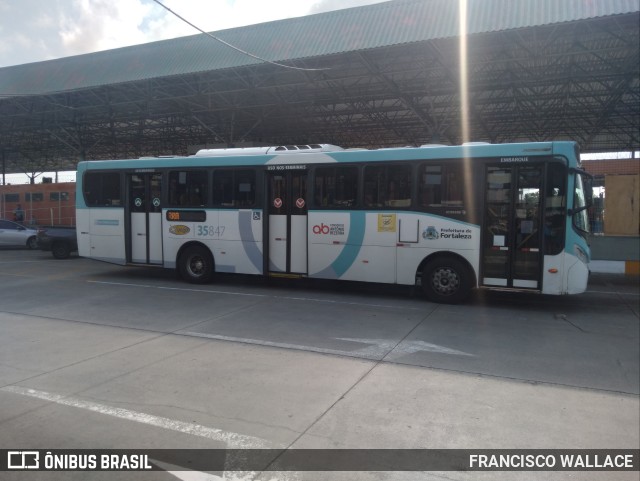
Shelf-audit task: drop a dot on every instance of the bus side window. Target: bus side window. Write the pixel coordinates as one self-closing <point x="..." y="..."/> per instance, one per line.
<point x="375" y="186"/>
<point x="102" y="189"/>
<point x="399" y="188"/>
<point x="245" y="188"/>
<point x="188" y="188"/>
<point x="336" y="187"/>
<point x="387" y="186"/>
<point x="223" y="188"/>
<point x="440" y="186"/>
<point x="234" y="188"/>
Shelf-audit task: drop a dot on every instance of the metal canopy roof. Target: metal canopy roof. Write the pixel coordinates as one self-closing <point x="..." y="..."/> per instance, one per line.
<point x="537" y="70"/>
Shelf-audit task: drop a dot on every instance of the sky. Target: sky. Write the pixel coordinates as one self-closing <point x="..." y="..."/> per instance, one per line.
<point x="37" y="30"/>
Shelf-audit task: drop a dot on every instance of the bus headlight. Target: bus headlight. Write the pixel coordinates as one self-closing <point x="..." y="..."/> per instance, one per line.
<point x="580" y="254"/>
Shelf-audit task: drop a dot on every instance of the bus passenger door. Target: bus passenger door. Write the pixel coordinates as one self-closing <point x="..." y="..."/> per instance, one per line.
<point x="512" y="230"/>
<point x="287" y="211"/>
<point x="145" y="218"/>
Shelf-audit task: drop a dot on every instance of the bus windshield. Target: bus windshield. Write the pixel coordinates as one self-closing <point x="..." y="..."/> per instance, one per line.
<point x="581" y="202"/>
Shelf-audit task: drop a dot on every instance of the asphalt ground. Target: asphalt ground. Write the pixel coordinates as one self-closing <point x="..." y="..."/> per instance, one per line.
<point x="100" y="356"/>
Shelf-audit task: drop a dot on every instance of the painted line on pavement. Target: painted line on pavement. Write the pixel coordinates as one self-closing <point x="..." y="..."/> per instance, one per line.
<point x="234" y="293"/>
<point x="231" y="439"/>
<point x="609" y="292"/>
<point x="408" y="347"/>
<point x="24" y="262"/>
<point x="182" y="475"/>
<point x="372" y="355"/>
<point x="375" y="350"/>
<point x="190" y="475"/>
<point x="183" y="289"/>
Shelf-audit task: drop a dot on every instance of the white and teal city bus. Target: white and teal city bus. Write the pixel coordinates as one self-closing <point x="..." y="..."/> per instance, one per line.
<point x="446" y="218"/>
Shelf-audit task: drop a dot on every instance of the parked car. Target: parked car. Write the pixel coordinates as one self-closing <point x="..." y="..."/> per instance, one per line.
<point x="14" y="234"/>
<point x="61" y="241"/>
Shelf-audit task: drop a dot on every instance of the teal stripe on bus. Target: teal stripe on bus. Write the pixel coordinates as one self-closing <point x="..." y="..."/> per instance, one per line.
<point x="357" y="222"/>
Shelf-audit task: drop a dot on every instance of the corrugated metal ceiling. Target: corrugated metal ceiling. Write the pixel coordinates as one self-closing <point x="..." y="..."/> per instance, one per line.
<point x="385" y="24"/>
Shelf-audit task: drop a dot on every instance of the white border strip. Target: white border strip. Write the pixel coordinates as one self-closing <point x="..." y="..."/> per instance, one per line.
<point x="607" y="267"/>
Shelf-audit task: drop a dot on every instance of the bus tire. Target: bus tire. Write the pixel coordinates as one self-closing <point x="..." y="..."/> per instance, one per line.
<point x="196" y="265"/>
<point x="446" y="280"/>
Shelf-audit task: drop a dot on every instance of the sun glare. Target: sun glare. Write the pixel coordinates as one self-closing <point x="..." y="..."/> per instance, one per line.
<point x="464" y="85"/>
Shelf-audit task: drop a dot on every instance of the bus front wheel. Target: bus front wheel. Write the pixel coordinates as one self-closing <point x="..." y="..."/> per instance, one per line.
<point x="196" y="265"/>
<point x="446" y="280"/>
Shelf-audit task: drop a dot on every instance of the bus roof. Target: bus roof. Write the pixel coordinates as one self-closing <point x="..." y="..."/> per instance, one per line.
<point x="327" y="153"/>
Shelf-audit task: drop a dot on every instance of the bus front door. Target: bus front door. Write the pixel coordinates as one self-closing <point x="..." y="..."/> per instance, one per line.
<point x="145" y="218"/>
<point x="287" y="224"/>
<point x="512" y="230"/>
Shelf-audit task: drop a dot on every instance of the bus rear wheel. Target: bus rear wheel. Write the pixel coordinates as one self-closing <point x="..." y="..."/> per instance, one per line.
<point x="446" y="280"/>
<point x="196" y="265"/>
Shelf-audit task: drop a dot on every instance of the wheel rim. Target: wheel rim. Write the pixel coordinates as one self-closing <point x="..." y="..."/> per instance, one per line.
<point x="445" y="281"/>
<point x="196" y="266"/>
